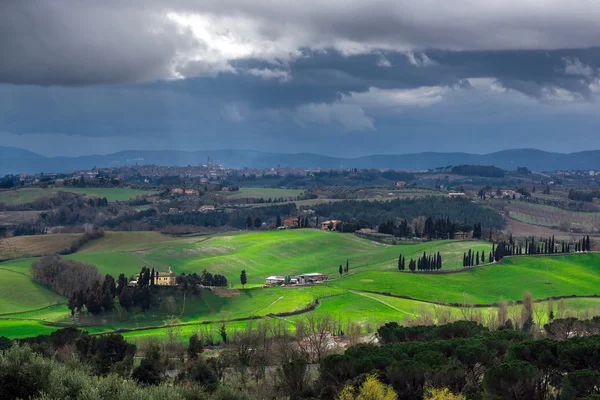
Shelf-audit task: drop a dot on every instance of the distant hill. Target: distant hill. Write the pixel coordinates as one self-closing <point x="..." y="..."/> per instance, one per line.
<point x="13" y="160"/>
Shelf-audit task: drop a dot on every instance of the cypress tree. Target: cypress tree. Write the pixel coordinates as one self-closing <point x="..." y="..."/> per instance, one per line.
<point x="588" y="244"/>
<point x="477" y="259"/>
<point x="400" y="262"/>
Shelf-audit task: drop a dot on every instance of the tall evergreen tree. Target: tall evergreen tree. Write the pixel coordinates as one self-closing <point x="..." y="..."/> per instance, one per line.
<point x="588" y="244"/>
<point x="243" y="278"/>
<point x="347" y="266"/>
<point x="341" y="270"/>
<point x="278" y="221"/>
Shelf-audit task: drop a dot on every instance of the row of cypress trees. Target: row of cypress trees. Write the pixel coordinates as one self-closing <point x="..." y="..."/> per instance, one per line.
<point x="432" y="262"/>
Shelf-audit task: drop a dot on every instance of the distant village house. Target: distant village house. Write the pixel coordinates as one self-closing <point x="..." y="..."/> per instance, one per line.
<point x="330" y="224"/>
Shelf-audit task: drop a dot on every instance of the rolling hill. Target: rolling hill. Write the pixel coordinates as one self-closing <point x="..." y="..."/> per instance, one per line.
<point x="13" y="160"/>
<point x="373" y="268"/>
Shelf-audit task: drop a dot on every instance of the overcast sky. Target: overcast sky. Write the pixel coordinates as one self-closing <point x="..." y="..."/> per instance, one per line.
<point x="346" y="78"/>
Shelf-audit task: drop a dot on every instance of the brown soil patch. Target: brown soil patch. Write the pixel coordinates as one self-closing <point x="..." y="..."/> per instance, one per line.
<point x="33" y="246"/>
<point x="226" y="292"/>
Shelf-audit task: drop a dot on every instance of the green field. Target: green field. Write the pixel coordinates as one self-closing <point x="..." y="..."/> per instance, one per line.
<point x="373" y="267"/>
<point x="26" y="195"/>
<point x="265" y="193"/>
<point x="18" y="292"/>
<point x="574" y="274"/>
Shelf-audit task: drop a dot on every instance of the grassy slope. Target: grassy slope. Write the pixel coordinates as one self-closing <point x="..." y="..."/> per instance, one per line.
<point x="574" y="274"/>
<point x="373" y="267"/>
<point x="295" y="251"/>
<point x="26" y="195"/>
<point x="19" y="293"/>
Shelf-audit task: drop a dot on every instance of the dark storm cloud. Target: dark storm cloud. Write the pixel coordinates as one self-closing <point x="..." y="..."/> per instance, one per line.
<point x="195" y="105"/>
<point x="79" y="42"/>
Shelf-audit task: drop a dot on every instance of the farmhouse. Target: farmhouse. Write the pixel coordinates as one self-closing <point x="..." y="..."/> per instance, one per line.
<point x="312" y="277"/>
<point x="330" y="224"/>
<point x="275" y="280"/>
<point x="166" y="278"/>
<point x="400" y="184"/>
<point x="292" y="221"/>
<point x="206" y="208"/>
<point x="462" y="235"/>
<point x="456" y="194"/>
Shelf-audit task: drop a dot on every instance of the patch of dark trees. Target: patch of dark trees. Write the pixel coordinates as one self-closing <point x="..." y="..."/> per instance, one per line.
<point x="431" y="262"/>
<point x="64" y="276"/>
<point x="583" y="195"/>
<point x="193" y="281"/>
<point x="234" y="218"/>
<point x="76" y="212"/>
<point x="487" y="171"/>
<point x="440" y="228"/>
<point x="348" y="177"/>
<point x="103" y="354"/>
<point x="473" y="361"/>
<point x="436" y="207"/>
<point x="9" y="181"/>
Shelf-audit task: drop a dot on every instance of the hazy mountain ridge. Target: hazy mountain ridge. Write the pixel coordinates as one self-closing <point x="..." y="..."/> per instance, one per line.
<point x="14" y="160"/>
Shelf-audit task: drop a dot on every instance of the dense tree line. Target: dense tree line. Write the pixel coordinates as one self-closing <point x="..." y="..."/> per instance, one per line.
<point x="487" y="171"/>
<point x="583" y="195"/>
<point x="440" y="228"/>
<point x="43" y="203"/>
<point x="77" y="243"/>
<point x="352" y="226"/>
<point x="66" y="277"/>
<point x="436" y="207"/>
<point x="466" y="358"/>
<point x="533" y="246"/>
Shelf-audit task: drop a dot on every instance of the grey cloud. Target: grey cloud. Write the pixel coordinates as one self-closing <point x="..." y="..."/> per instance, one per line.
<point x="79" y="42"/>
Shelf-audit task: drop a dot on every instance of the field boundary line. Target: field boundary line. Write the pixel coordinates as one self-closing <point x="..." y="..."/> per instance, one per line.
<point x="480" y="305"/>
<point x="37" y="309"/>
<point x="383" y="302"/>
